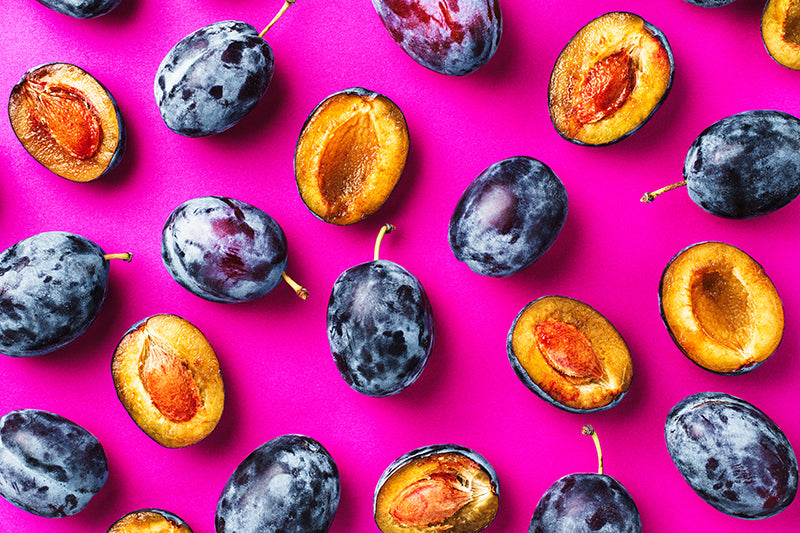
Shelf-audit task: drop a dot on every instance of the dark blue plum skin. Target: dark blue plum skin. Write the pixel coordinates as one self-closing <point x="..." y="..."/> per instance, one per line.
<point x="453" y="38"/>
<point x="223" y="249"/>
<point x="710" y="3"/>
<point x="380" y="327"/>
<point x="212" y="78"/>
<point x="288" y="484"/>
<point x="586" y="503"/>
<point x="732" y="455"/>
<point x="52" y="286"/>
<point x="508" y="217"/>
<point x="81" y="9"/>
<point x="745" y="165"/>
<point x="49" y="466"/>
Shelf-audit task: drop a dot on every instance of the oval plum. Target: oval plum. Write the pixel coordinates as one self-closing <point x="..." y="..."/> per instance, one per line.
<point x="49" y="466"/>
<point x="732" y="455"/>
<point x="453" y="38"/>
<point x="81" y="9"/>
<point x="288" y="484"/>
<point x="508" y="217"/>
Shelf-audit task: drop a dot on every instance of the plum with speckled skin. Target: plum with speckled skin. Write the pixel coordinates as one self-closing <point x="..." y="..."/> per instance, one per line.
<point x="212" y="78"/>
<point x="709" y="3"/>
<point x="52" y="286"/>
<point x="454" y="37"/>
<point x="745" y="165"/>
<point x="508" y="217"/>
<point x="288" y="484"/>
<point x="732" y="455"/>
<point x="81" y="9"/>
<point x="49" y="466"/>
<point x="223" y="249"/>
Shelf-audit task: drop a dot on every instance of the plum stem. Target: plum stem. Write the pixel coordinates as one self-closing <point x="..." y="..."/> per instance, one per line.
<point x="283" y="9"/>
<point x="387" y="228"/>
<point x="650" y="196"/>
<point x="298" y="289"/>
<point x="125" y="256"/>
<point x="589" y="430"/>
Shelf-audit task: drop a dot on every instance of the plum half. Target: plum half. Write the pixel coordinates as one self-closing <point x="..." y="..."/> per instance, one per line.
<point x="150" y="521"/>
<point x="780" y="30"/>
<point x="569" y="355"/>
<point x="68" y="121"/>
<point x="350" y="155"/>
<point x="609" y="79"/>
<point x="444" y="487"/>
<point x="721" y="308"/>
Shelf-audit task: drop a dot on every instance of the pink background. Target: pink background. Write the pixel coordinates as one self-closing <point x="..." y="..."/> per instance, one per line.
<point x="278" y="371"/>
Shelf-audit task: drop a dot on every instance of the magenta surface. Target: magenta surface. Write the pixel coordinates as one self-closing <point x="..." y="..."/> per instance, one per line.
<point x="278" y="370"/>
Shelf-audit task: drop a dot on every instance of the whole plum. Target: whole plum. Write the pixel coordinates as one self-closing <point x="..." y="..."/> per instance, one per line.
<point x="380" y="326"/>
<point x="224" y="250"/>
<point x="52" y="286"/>
<point x="732" y="455"/>
<point x="709" y="3"/>
<point x="81" y="9"/>
<point x="288" y="484"/>
<point x="508" y="217"/>
<point x="454" y="37"/>
<point x="49" y="466"/>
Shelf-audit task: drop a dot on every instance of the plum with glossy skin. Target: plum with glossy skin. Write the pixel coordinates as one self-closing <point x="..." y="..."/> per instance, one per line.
<point x="586" y="503"/>
<point x="150" y="521"/>
<point x="288" y="484"/>
<point x="224" y="250"/>
<point x="49" y="466"/>
<point x="732" y="455"/>
<point x="743" y="166"/>
<point x="780" y="31"/>
<point x="52" y="286"/>
<point x="454" y="37"/>
<point x="380" y="326"/>
<point x="444" y="487"/>
<point x="81" y="9"/>
<point x="508" y="217"/>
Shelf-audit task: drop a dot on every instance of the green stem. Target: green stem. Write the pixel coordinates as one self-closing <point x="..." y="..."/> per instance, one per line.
<point x="589" y="430"/>
<point x="650" y="196"/>
<point x="387" y="228"/>
<point x="298" y="289"/>
<point x="283" y="9"/>
<point x="125" y="256"/>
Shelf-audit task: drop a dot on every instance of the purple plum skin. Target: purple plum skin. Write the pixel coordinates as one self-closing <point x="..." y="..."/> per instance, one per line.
<point x="81" y="9"/>
<point x="452" y="37"/>
<point x="223" y="249"/>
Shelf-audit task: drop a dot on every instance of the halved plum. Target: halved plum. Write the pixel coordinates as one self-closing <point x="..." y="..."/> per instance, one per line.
<point x="569" y="355"/>
<point x="720" y="308"/>
<point x="150" y="521"/>
<point x="609" y="79"/>
<point x="350" y="155"/>
<point x="780" y="30"/>
<point x="68" y="121"/>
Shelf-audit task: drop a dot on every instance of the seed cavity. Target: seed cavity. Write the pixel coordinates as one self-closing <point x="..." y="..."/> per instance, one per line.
<point x="606" y="87"/>
<point x="430" y="501"/>
<point x="567" y="350"/>
<point x="168" y="380"/>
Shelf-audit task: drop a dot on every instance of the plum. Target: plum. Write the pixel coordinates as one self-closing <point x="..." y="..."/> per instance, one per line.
<point x="81" y="9"/>
<point x="508" y="217"/>
<point x="444" y="487"/>
<point x="68" y="121"/>
<point x="52" y="286"/>
<point x="225" y="250"/>
<point x="743" y="166"/>
<point x="453" y="38"/>
<point x="150" y="521"/>
<point x="49" y="465"/>
<point x="585" y="503"/>
<point x="709" y="3"/>
<point x="780" y="31"/>
<point x="288" y="484"/>
<point x="732" y="455"/>
<point x="380" y="326"/>
<point x="214" y="76"/>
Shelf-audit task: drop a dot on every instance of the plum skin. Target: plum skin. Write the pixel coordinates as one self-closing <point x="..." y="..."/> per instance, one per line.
<point x="288" y="484"/>
<point x="732" y="455"/>
<point x="81" y="9"/>
<point x="49" y="466"/>
<point x="453" y="38"/>
<point x="508" y="217"/>
<point x="380" y="327"/>
<point x="212" y="78"/>
<point x="223" y="250"/>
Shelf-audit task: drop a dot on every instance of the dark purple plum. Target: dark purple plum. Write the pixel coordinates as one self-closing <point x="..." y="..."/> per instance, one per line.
<point x="508" y="217"/>
<point x="49" y="466"/>
<point x="709" y="3"/>
<point x="224" y="250"/>
<point x="744" y="165"/>
<point x="732" y="455"/>
<point x="288" y="484"/>
<point x="380" y="326"/>
<point x="454" y="37"/>
<point x="81" y="9"/>
<point x="52" y="286"/>
<point x="585" y="503"/>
